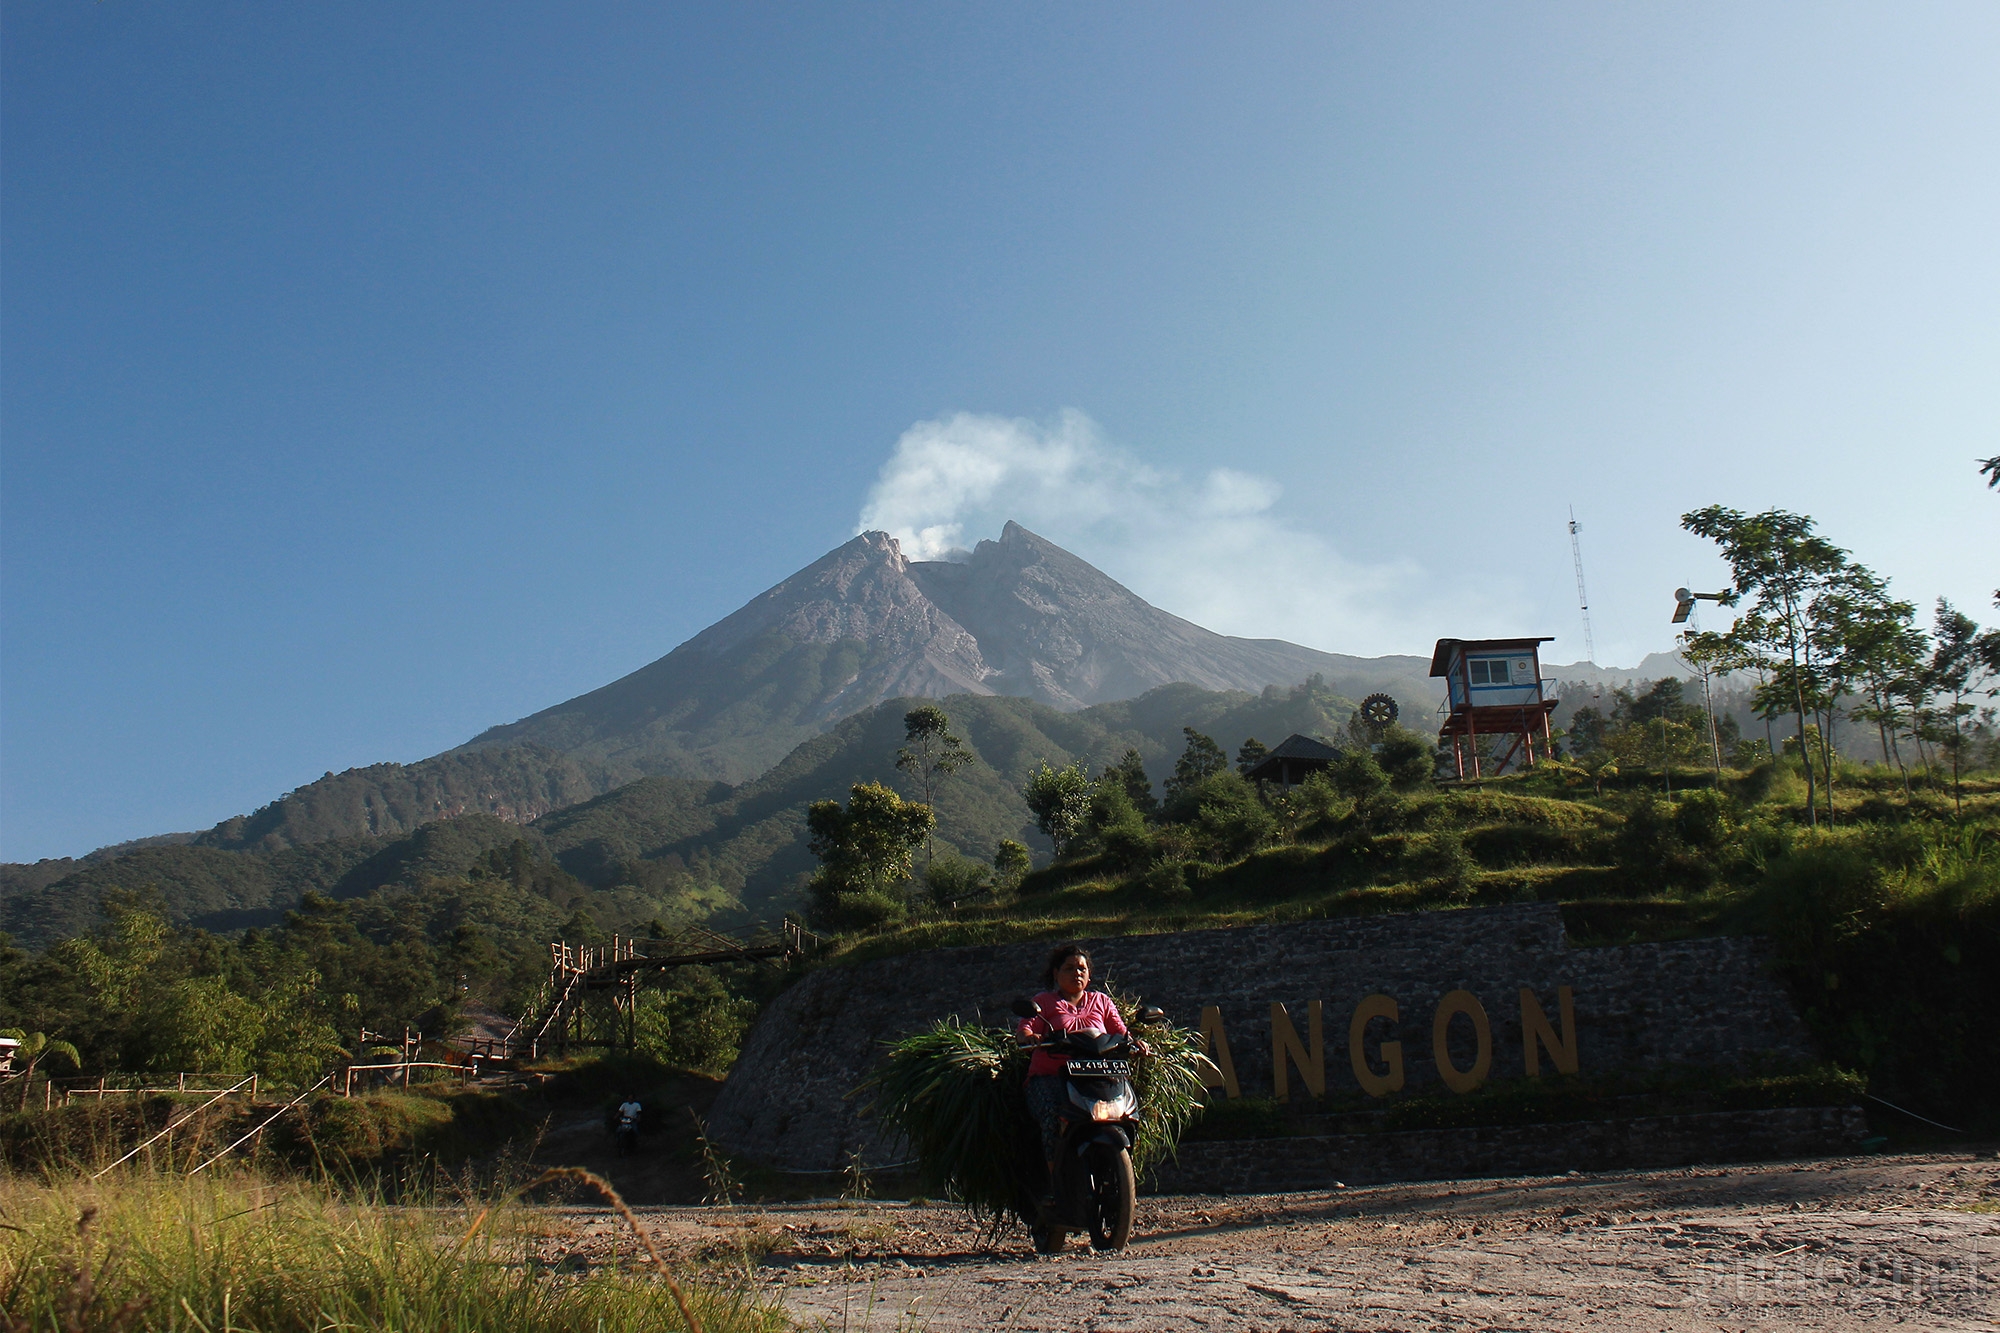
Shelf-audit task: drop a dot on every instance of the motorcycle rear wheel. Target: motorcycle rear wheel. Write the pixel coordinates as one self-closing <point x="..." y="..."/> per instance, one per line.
<point x="1117" y="1188"/>
<point x="1049" y="1238"/>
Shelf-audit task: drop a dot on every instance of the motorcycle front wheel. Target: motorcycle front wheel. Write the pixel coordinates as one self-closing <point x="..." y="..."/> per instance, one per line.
<point x="1111" y="1217"/>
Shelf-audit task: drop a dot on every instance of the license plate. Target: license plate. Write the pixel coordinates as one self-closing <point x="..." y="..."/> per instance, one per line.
<point x="1100" y="1068"/>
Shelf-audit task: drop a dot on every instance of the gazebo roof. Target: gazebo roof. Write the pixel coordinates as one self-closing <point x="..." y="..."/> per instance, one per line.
<point x="1441" y="656"/>
<point x="1295" y="751"/>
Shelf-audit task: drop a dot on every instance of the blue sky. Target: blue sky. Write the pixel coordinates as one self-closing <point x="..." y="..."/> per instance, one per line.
<point x="372" y="374"/>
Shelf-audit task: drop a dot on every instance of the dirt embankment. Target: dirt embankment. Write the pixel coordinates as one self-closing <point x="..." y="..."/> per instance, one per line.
<point x="1833" y="1244"/>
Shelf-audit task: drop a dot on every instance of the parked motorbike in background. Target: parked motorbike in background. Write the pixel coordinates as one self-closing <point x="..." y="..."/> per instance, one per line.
<point x="622" y="1121"/>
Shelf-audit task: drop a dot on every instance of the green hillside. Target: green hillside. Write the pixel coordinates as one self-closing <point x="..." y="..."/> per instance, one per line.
<point x="515" y="783"/>
<point x="750" y="841"/>
<point x="659" y="847"/>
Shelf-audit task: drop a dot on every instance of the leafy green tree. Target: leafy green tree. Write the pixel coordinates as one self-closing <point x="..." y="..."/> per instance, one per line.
<point x="696" y="1024"/>
<point x="1953" y="675"/>
<point x="1250" y="754"/>
<point x="1201" y="758"/>
<point x="1707" y="656"/>
<point x="207" y="1029"/>
<point x="865" y="851"/>
<point x="1777" y="560"/>
<point x="1116" y="825"/>
<point x="1588" y="731"/>
<point x="1130" y="773"/>
<point x="1059" y="799"/>
<point x="1878" y="646"/>
<point x="1010" y="862"/>
<point x="930" y="753"/>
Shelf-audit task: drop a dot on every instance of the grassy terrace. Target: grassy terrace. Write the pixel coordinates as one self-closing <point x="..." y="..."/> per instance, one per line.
<point x="1885" y="923"/>
<point x="1538" y="837"/>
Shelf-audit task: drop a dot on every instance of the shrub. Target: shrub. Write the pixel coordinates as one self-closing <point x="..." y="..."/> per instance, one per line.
<point x="1405" y="758"/>
<point x="1701" y="820"/>
<point x="1116" y="826"/>
<point x="1652" y="852"/>
<point x="1356" y="775"/>
<point x="1441" y="859"/>
<point x="1165" y="882"/>
<point x="1313" y="807"/>
<point x="954" y="879"/>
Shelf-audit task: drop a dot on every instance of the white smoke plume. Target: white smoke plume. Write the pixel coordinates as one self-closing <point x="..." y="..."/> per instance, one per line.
<point x="1214" y="550"/>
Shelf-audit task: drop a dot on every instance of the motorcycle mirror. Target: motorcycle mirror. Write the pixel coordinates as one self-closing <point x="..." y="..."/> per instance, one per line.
<point x="1024" y="1008"/>
<point x="1152" y="1014"/>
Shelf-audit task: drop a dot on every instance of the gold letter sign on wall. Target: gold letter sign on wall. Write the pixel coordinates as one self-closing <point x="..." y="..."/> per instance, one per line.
<point x="1215" y="1044"/>
<point x="1462" y="1080"/>
<point x="1285" y="1043"/>
<point x="1372" y="1083"/>
<point x="1536" y="1033"/>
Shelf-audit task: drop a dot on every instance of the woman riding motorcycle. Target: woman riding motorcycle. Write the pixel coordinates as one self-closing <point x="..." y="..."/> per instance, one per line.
<point x="1066" y="1004"/>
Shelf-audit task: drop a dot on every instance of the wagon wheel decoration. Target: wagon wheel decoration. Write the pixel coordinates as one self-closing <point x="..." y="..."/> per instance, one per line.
<point x="1379" y="711"/>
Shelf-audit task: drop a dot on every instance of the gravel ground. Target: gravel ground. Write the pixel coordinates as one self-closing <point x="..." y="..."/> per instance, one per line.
<point x="1826" y="1244"/>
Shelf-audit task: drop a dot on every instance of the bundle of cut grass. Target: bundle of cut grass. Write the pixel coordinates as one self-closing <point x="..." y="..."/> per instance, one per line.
<point x="1168" y="1081"/>
<point x="954" y="1094"/>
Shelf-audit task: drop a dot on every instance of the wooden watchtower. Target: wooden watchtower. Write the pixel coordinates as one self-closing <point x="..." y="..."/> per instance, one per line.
<point x="1494" y="687"/>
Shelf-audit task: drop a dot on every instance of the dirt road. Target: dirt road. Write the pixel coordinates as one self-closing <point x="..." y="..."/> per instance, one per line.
<point x="1832" y="1244"/>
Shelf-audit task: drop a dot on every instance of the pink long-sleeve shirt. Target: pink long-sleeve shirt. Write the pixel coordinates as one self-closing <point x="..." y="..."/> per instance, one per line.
<point x="1093" y="1010"/>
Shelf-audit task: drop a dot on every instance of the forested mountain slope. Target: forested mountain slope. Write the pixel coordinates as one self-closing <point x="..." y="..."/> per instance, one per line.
<point x="1020" y="617"/>
<point x="676" y="847"/>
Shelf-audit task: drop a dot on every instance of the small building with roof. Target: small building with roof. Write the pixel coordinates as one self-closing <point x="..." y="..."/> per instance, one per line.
<point x="1494" y="687"/>
<point x="1292" y="760"/>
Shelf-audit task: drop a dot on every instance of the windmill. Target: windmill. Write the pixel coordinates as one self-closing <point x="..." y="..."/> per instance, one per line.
<point x="1684" y="602"/>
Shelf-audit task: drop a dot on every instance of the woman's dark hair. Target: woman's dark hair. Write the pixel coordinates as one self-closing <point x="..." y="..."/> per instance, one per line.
<point x="1061" y="954"/>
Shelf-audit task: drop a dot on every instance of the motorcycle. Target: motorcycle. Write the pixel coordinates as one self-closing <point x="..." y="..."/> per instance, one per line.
<point x="1094" y="1188"/>
<point x="624" y="1129"/>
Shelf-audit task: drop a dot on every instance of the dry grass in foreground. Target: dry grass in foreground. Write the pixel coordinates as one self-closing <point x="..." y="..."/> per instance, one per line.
<point x="251" y="1255"/>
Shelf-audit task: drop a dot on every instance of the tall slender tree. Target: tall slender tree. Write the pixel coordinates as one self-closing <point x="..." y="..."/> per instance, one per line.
<point x="1955" y="672"/>
<point x="1879" y="643"/>
<point x="1777" y="561"/>
<point x="1200" y="760"/>
<point x="930" y="753"/>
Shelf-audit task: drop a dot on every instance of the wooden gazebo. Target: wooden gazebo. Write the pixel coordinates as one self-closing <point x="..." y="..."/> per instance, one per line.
<point x="1292" y="760"/>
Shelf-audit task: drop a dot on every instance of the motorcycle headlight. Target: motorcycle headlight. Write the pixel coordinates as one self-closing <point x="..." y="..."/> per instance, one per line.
<point x="1116" y="1109"/>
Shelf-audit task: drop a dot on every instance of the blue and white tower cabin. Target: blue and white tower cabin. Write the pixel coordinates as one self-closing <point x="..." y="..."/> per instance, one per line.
<point x="1494" y="687"/>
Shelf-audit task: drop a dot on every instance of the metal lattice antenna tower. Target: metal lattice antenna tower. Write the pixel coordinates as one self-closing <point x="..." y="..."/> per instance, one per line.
<point x="1582" y="597"/>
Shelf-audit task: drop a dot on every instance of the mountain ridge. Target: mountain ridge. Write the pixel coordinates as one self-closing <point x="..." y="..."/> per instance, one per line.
<point x="1015" y="617"/>
<point x="1019" y="616"/>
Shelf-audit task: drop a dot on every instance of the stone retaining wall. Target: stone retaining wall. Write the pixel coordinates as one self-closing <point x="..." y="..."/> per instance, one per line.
<point x="1706" y="1003"/>
<point x="1247" y="1166"/>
